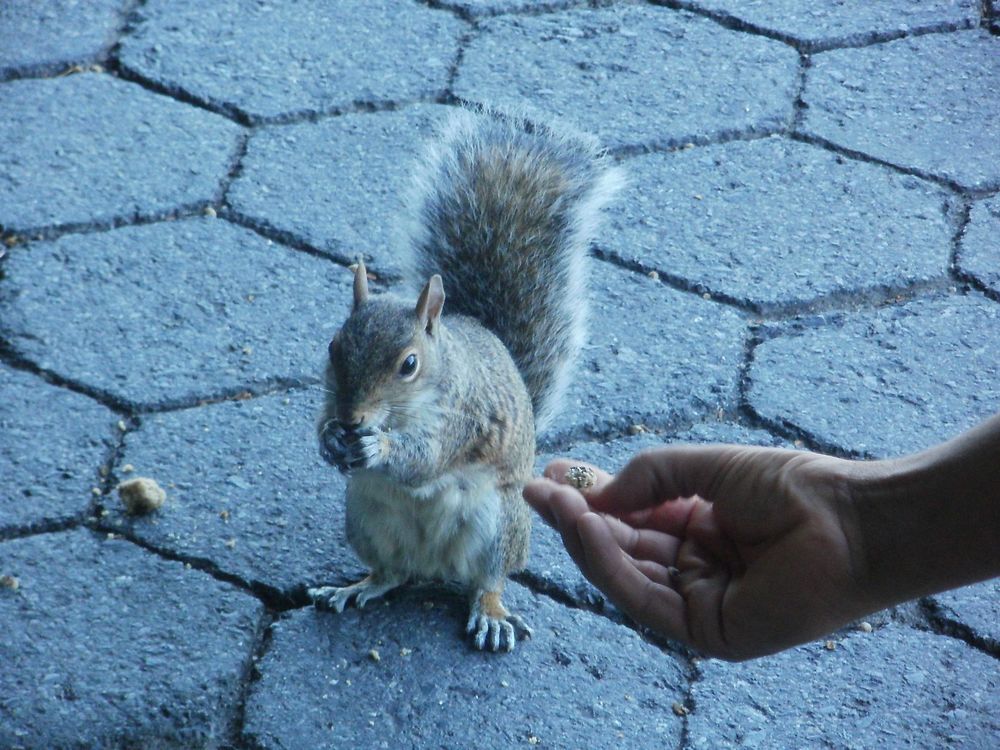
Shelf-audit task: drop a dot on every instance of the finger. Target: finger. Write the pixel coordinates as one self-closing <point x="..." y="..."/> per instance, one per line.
<point x="665" y="575"/>
<point x="644" y="544"/>
<point x="673" y="517"/>
<point x="561" y="507"/>
<point x="556" y="471"/>
<point x="538" y="494"/>
<point x="648" y="602"/>
<point x="666" y="473"/>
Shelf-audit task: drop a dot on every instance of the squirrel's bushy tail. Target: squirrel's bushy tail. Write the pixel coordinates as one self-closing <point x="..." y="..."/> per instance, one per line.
<point x="505" y="209"/>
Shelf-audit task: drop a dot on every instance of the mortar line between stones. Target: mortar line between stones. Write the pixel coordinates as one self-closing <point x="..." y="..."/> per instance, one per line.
<point x="774" y="127"/>
<point x="961" y="276"/>
<point x="55" y="231"/>
<point x="106" y="469"/>
<point x="820" y="142"/>
<point x="859" y="39"/>
<point x="941" y="624"/>
<point x="464" y="40"/>
<point x="235" y="168"/>
<point x="799" y="103"/>
<point x="538" y="9"/>
<point x="268" y="231"/>
<point x="240" y="392"/>
<point x="10" y="356"/>
<point x="783" y="429"/>
<point x="831" y="302"/>
<point x="117" y="68"/>
<point x="21" y="531"/>
<point x="273" y="598"/>
<point x="95" y="63"/>
<point x="261" y="645"/>
<point x="668" y="279"/>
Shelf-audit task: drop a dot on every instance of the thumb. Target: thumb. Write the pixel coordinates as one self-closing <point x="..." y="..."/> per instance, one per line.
<point x="666" y="473"/>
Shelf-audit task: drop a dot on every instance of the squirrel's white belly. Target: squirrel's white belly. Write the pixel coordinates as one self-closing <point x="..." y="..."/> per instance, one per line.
<point x="449" y="529"/>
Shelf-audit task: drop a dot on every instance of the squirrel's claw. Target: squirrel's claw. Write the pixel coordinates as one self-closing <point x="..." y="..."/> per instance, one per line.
<point x="347" y="449"/>
<point x="493" y="628"/>
<point x="336" y="597"/>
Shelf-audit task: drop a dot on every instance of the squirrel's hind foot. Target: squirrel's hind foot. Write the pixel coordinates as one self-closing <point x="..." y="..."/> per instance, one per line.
<point x="337" y="597"/>
<point x="492" y="627"/>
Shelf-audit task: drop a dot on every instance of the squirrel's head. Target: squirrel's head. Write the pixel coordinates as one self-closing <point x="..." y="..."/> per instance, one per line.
<point x="384" y="357"/>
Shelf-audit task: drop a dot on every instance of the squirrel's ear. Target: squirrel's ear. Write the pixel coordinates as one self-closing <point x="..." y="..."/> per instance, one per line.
<point x="360" y="284"/>
<point x="430" y="303"/>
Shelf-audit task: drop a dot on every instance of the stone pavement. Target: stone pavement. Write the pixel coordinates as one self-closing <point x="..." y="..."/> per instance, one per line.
<point x="808" y="255"/>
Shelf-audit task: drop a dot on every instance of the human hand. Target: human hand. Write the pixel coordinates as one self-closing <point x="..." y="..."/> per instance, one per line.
<point x="738" y="552"/>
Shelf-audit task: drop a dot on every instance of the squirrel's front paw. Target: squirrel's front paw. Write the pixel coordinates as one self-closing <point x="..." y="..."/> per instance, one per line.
<point x="351" y="449"/>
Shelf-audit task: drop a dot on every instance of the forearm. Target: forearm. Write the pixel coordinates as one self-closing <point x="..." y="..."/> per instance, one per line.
<point x="930" y="521"/>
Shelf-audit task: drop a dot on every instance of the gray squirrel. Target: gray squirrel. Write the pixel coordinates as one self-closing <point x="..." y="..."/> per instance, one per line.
<point x="434" y="417"/>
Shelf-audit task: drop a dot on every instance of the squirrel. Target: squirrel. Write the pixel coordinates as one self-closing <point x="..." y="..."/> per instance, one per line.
<point x="434" y="416"/>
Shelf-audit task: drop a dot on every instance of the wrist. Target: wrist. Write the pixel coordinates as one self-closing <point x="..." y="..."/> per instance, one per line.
<point x="929" y="521"/>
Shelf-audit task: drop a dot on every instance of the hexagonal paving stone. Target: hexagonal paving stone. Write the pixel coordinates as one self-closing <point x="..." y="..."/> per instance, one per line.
<point x="327" y="56"/>
<point x="979" y="252"/>
<point x="45" y="35"/>
<point x="549" y="565"/>
<point x="88" y="170"/>
<point x="654" y="356"/>
<point x="855" y="22"/>
<point x="918" y="103"/>
<point x="52" y="443"/>
<point x="774" y="222"/>
<point x="402" y="675"/>
<point x="168" y="313"/>
<point x="633" y="74"/>
<point x="886" y="381"/>
<point x="106" y="645"/>
<point x="891" y="687"/>
<point x="246" y="491"/>
<point x="335" y="185"/>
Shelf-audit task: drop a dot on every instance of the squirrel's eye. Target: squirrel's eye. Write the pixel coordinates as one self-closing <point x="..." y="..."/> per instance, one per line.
<point x="409" y="366"/>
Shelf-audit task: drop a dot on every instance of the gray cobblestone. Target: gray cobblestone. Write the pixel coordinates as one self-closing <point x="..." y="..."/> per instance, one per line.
<point x="634" y="75"/>
<point x="774" y="222"/>
<point x="826" y="25"/>
<point x="53" y="485"/>
<point x="172" y="312"/>
<point x="650" y="370"/>
<point x="915" y="103"/>
<point x="85" y="171"/>
<point x="893" y="685"/>
<point x="894" y="380"/>
<point x="106" y="646"/>
<point x="50" y="34"/>
<point x="335" y="185"/>
<point x="979" y="253"/>
<point x="274" y="60"/>
<point x="246" y="490"/>
<point x="834" y="284"/>
<point x="398" y="675"/>
<point x="974" y="607"/>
